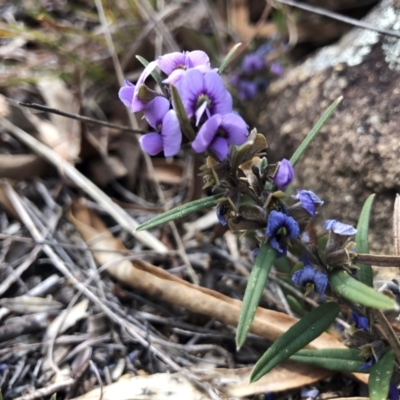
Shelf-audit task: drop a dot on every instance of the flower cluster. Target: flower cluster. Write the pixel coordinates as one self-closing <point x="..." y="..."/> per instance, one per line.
<point x="206" y="102"/>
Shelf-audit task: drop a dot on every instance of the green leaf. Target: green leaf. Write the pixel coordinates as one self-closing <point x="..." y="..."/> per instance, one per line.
<point x="294" y="339"/>
<point x="184" y="122"/>
<point x="254" y="289"/>
<point x="348" y="287"/>
<point x="380" y="375"/>
<point x="314" y="131"/>
<point x="362" y="246"/>
<point x="227" y="58"/>
<point x="54" y="397"/>
<point x="180" y="212"/>
<point x="344" y="360"/>
<point x="156" y="76"/>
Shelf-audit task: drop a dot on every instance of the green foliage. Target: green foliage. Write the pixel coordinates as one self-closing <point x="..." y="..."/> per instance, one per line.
<point x="362" y="246"/>
<point x="295" y="338"/>
<point x="344" y="360"/>
<point x="345" y="285"/>
<point x="254" y="289"/>
<point x="314" y="131"/>
<point x="180" y="212"/>
<point x="227" y="58"/>
<point x="380" y="375"/>
<point x="155" y="74"/>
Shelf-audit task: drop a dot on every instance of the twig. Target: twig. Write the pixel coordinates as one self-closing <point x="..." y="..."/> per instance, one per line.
<point x="378" y="260"/>
<point x="120" y="215"/>
<point x="339" y="17"/>
<point x="78" y="117"/>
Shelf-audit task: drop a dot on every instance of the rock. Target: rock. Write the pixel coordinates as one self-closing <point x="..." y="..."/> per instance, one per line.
<point x="358" y="151"/>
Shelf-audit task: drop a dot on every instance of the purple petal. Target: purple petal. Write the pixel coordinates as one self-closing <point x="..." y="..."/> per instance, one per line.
<point x="220" y="147"/>
<point x="284" y="175"/>
<point x="206" y="134"/>
<point x="151" y="143"/>
<point x="155" y="111"/>
<point x="190" y="87"/>
<point x="320" y="283"/>
<point x="221" y="100"/>
<point x="171" y="134"/>
<point x="339" y="228"/>
<point x="393" y="392"/>
<point x="196" y="58"/>
<point x="169" y="62"/>
<point x="308" y="200"/>
<point x="235" y="129"/>
<point x="304" y="276"/>
<point x="276" y="68"/>
<point x="247" y="90"/>
<point x="221" y="211"/>
<point x="174" y="77"/>
<point x="253" y="63"/>
<point x="276" y="220"/>
<point x="360" y="321"/>
<point x="125" y="94"/>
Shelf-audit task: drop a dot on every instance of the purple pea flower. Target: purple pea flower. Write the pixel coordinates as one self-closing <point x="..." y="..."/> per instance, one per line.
<point x="168" y="136"/>
<point x="204" y="94"/>
<point x="284" y="174"/>
<point x="360" y="321"/>
<point x="280" y="226"/>
<point x="339" y="228"/>
<point x="308" y="200"/>
<point x="129" y="93"/>
<point x="221" y="211"/>
<point x="309" y="275"/>
<point x="253" y="63"/>
<point x="247" y="90"/>
<point x="219" y="132"/>
<point x="276" y="69"/>
<point x="175" y="64"/>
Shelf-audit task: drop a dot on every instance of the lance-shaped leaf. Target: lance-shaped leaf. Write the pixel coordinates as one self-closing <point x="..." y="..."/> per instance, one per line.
<point x="294" y="339"/>
<point x="180" y="212"/>
<point x="314" y="131"/>
<point x="362" y="246"/>
<point x="348" y="287"/>
<point x="227" y="58"/>
<point x="156" y="76"/>
<point x="254" y="289"/>
<point x="380" y="375"/>
<point x="184" y="122"/>
<point x="344" y="360"/>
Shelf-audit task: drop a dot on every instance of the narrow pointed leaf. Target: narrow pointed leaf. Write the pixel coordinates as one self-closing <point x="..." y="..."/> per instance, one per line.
<point x="180" y="212"/>
<point x="362" y="246"/>
<point x="155" y="74"/>
<point x="184" y="122"/>
<point x="348" y="287"/>
<point x="227" y="58"/>
<point x="254" y="289"/>
<point x="344" y="360"/>
<point x="294" y="339"/>
<point x="380" y="375"/>
<point x="314" y="131"/>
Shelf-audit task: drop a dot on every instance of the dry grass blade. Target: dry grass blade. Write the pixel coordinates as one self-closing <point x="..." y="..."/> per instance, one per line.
<point x="157" y="283"/>
<point x="120" y="215"/>
<point x="396" y="225"/>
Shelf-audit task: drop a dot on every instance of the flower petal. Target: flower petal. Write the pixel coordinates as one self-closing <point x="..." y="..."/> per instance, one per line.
<point x="206" y="134"/>
<point x="151" y="143"/>
<point x="171" y="134"/>
<point x="253" y="63"/>
<point x="339" y="228"/>
<point x="360" y="321"/>
<point x="220" y="147"/>
<point x="196" y="58"/>
<point x="155" y="111"/>
<point x="320" y="283"/>
<point x="308" y="200"/>
<point x="190" y="87"/>
<point x="276" y="220"/>
<point x="171" y="61"/>
<point x="284" y="175"/>
<point x="125" y="94"/>
<point x="304" y="276"/>
<point x="174" y="77"/>
<point x="221" y="100"/>
<point x="235" y="129"/>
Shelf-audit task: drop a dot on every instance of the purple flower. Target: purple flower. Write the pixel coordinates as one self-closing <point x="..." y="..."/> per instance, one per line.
<point x="221" y="211"/>
<point x="360" y="322"/>
<point x="368" y="364"/>
<point x="276" y="69"/>
<point x="307" y="393"/>
<point x="309" y="275"/>
<point x="279" y="227"/>
<point x="247" y="90"/>
<point x="204" y="94"/>
<point x="129" y="93"/>
<point x="308" y="200"/>
<point x="219" y="132"/>
<point x="168" y="136"/>
<point x="339" y="228"/>
<point x="393" y="392"/>
<point x="284" y="174"/>
<point x="253" y="63"/>
<point x="175" y="64"/>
